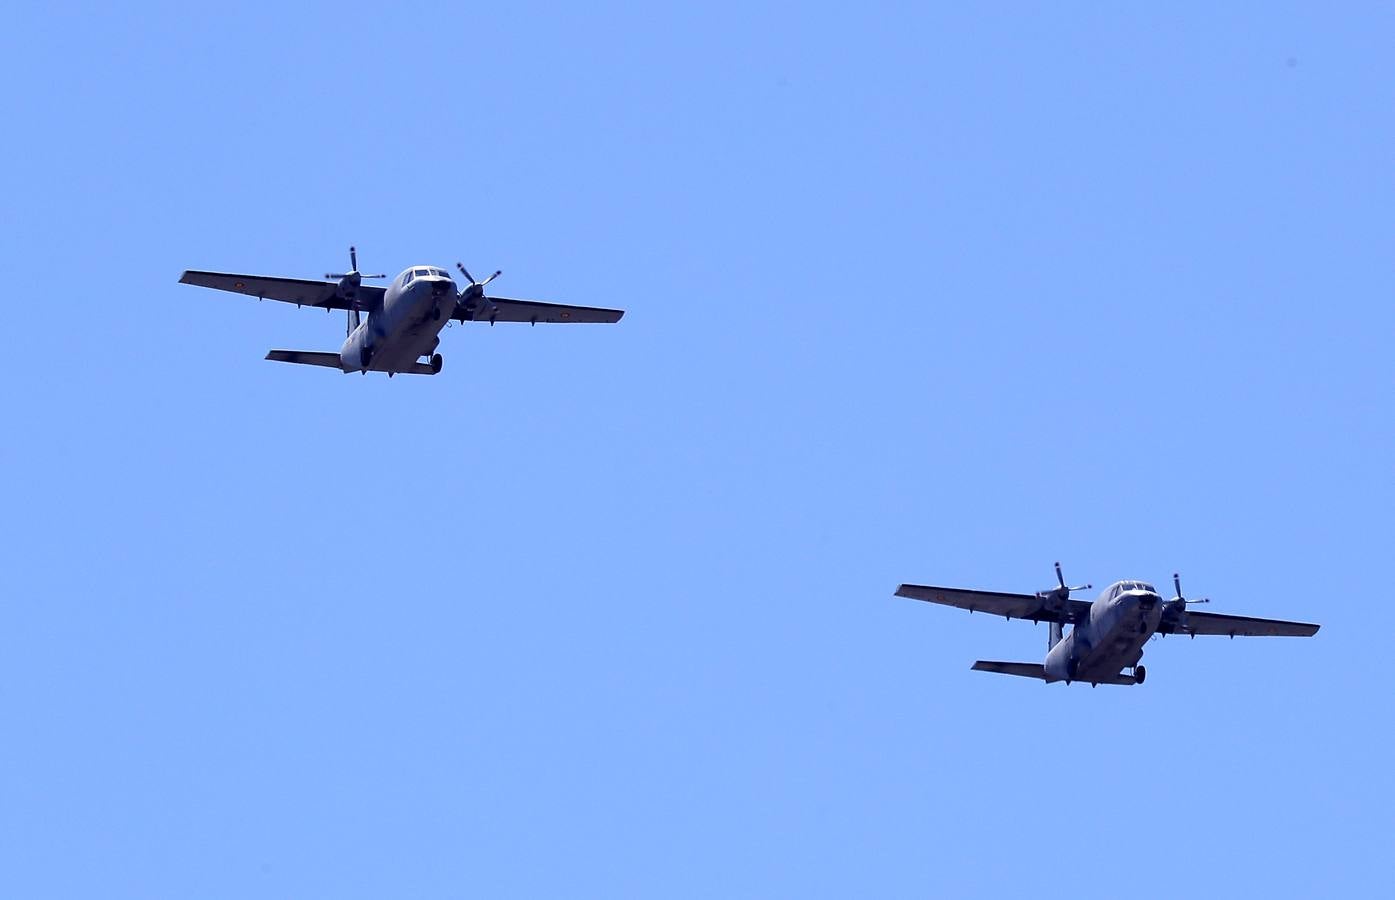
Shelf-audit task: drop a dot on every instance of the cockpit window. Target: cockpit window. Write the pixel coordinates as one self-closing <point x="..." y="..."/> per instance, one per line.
<point x="406" y="277"/>
<point x="420" y="273"/>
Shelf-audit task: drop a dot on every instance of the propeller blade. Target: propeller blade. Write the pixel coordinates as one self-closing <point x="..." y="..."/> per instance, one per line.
<point x="466" y="272"/>
<point x="496" y="274"/>
<point x="372" y="276"/>
<point x="353" y="258"/>
<point x="1059" y="577"/>
<point x="1177" y="584"/>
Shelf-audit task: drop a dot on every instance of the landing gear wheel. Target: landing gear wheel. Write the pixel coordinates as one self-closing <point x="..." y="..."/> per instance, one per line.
<point x="437" y="360"/>
<point x="1139" y="673"/>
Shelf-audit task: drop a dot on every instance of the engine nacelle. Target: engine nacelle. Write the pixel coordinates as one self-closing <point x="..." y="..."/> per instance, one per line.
<point x="1174" y="616"/>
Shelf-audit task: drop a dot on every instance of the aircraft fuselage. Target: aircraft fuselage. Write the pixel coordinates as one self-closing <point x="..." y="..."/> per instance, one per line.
<point x="405" y="328"/>
<point x="1110" y="640"/>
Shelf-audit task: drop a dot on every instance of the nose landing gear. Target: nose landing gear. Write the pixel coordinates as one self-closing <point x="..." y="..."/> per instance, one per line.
<point x="436" y="362"/>
<point x="1139" y="673"/>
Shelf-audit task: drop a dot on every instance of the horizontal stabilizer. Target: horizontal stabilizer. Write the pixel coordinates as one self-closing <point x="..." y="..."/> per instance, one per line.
<point x="1036" y="670"/>
<point x="1026" y="670"/>
<point x="306" y="358"/>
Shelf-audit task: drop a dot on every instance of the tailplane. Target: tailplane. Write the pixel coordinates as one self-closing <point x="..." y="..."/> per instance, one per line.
<point x="1025" y="670"/>
<point x="1036" y="670"/>
<point x="306" y="358"/>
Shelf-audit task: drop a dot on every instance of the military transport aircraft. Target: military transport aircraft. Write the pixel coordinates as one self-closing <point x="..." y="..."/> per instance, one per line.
<point x="404" y="319"/>
<point x="1108" y="635"/>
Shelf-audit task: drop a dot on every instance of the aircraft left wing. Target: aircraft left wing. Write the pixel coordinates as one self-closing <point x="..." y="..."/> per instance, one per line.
<point x="502" y="309"/>
<point x="1236" y="626"/>
<point x="300" y="291"/>
<point x="1013" y="606"/>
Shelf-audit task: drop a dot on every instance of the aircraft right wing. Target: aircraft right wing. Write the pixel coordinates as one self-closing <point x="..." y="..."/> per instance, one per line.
<point x="300" y="291"/>
<point x="1013" y="606"/>
<point x="1236" y="626"/>
<point x="502" y="309"/>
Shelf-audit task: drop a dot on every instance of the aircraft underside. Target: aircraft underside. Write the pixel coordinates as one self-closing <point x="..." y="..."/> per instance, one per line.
<point x="1121" y="651"/>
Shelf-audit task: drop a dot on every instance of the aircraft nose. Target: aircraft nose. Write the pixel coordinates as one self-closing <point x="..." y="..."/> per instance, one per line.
<point x="1147" y="602"/>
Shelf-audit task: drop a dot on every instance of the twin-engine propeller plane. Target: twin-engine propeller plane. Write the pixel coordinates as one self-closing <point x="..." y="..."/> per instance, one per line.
<point x="404" y="319"/>
<point x="1107" y="636"/>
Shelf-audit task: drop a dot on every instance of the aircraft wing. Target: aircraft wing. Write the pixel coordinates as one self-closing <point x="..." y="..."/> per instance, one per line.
<point x="1013" y="606"/>
<point x="300" y="291"/>
<point x="506" y="310"/>
<point x="1236" y="626"/>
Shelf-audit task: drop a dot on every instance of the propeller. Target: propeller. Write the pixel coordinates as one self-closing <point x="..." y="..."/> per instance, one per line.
<point x="353" y="272"/>
<point x="472" y="298"/>
<point x="1062" y="592"/>
<point x="348" y="289"/>
<point x="1177" y="583"/>
<point x="1054" y="600"/>
<point x="470" y="278"/>
<point x="1175" y="610"/>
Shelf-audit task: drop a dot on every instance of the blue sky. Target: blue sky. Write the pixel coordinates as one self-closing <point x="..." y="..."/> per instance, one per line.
<point x="935" y="296"/>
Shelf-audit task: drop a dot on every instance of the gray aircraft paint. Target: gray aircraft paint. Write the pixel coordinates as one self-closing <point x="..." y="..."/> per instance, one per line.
<point x="403" y="320"/>
<point x="1107" y="636"/>
<point x="1121" y="621"/>
<point x="406" y="327"/>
